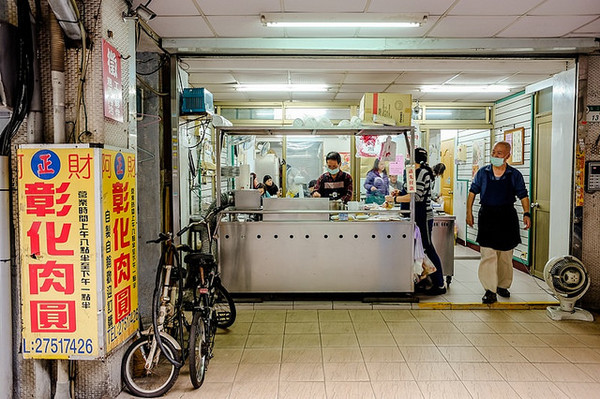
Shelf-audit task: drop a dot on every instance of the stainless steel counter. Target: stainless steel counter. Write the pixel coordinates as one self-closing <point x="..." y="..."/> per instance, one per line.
<point x="309" y="257"/>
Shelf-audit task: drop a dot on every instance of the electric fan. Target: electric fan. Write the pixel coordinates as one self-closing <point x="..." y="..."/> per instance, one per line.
<point x="568" y="279"/>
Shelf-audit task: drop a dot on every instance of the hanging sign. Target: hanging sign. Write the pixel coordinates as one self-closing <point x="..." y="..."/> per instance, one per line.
<point x="111" y="82"/>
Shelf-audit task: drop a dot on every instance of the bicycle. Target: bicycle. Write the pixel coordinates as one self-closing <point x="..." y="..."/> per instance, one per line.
<point x="151" y="364"/>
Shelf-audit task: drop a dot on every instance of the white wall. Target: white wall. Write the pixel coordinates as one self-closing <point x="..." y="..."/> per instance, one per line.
<point x="563" y="141"/>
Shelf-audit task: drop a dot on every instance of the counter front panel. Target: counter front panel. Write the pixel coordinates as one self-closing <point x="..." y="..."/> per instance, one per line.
<point x="297" y="257"/>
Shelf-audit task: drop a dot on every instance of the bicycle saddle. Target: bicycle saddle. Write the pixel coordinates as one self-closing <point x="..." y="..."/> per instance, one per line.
<point x="197" y="258"/>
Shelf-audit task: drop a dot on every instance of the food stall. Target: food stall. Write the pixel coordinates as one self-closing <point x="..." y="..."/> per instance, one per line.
<point x="301" y="246"/>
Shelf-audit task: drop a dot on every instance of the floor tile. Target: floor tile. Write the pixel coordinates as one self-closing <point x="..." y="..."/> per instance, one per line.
<point x="500" y="354"/>
<point x="443" y="389"/>
<point x="299" y="316"/>
<point x="396" y="315"/>
<point x="375" y="339"/>
<point x="542" y="328"/>
<point x="565" y="372"/>
<point x="579" y="355"/>
<point x="230" y="341"/>
<point x="244" y="316"/>
<point x="302" y="341"/>
<point x="254" y="390"/>
<point x="441" y="339"/>
<point x="352" y="306"/>
<point x="339" y="340"/>
<point x="302" y="328"/>
<point x="434" y="371"/>
<point x="461" y="354"/>
<point x="593" y="341"/>
<point x="262" y="355"/>
<point x="301" y="372"/>
<point x="592" y="369"/>
<point x="336" y="327"/>
<point x="524" y="316"/>
<point x="258" y="372"/>
<point x="301" y="355"/>
<point x="487" y="340"/>
<point x="398" y="371"/>
<point x="473" y="327"/>
<point x="264" y="341"/>
<point x="349" y="390"/>
<point x="439" y="327"/>
<point x="524" y="340"/>
<point x="429" y="315"/>
<point x="221" y="372"/>
<point x="274" y="305"/>
<point x="413" y="339"/>
<point x="541" y="355"/>
<point x="301" y="390"/>
<point x="266" y="328"/>
<point x="316" y="305"/>
<point x="333" y="315"/>
<point x="381" y="354"/>
<point x="223" y="355"/>
<point x="340" y="355"/>
<point x="210" y="390"/>
<point x="422" y="354"/>
<point x="370" y="327"/>
<point x="537" y="390"/>
<point x="476" y="372"/>
<point x="269" y="315"/>
<point x="236" y="329"/>
<point x="509" y="327"/>
<point x="406" y="327"/>
<point x="365" y="315"/>
<point x="396" y="390"/>
<point x="562" y="340"/>
<point x="345" y="372"/>
<point x="460" y="315"/>
<point x="519" y="372"/>
<point x="579" y="390"/>
<point x="491" y="389"/>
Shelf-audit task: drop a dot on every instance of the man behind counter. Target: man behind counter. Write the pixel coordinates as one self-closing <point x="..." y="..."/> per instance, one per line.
<point x="334" y="184"/>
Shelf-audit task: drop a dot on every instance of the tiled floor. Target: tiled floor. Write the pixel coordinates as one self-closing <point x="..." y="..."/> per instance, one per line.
<point x="400" y="353"/>
<point x="360" y="350"/>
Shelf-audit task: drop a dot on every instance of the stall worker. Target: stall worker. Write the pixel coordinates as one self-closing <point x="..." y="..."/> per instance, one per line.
<point x="377" y="183"/>
<point x="270" y="187"/>
<point x="334" y="184"/>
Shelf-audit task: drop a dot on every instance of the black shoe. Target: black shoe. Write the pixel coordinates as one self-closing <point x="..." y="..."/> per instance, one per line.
<point x="503" y="292"/>
<point x="489" y="297"/>
<point x="435" y="291"/>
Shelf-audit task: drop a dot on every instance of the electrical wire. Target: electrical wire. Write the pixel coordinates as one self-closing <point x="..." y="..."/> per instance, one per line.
<point x="162" y="62"/>
<point x="150" y="88"/>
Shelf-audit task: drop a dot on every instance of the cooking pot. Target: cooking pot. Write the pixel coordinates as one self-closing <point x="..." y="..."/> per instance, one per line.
<point x="336" y="205"/>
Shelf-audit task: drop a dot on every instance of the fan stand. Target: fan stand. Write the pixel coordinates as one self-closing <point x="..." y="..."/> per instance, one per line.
<point x="557" y="313"/>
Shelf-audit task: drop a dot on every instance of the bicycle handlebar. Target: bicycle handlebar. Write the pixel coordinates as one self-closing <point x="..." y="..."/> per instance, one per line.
<point x="205" y="219"/>
<point x="161" y="237"/>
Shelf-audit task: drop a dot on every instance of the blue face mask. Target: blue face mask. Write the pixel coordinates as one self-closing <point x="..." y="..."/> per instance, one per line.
<point x="497" y="162"/>
<point x="333" y="171"/>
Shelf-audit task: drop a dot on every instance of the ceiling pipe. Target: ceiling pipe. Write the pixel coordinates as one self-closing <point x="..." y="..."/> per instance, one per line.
<point x="57" y="66"/>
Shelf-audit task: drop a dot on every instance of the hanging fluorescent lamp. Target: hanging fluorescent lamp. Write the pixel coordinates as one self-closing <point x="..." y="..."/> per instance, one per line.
<point x="283" y="87"/>
<point x="465" y="89"/>
<point x="338" y="20"/>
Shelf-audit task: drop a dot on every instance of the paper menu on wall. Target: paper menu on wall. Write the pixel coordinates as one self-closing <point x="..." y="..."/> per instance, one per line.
<point x="397" y="167"/>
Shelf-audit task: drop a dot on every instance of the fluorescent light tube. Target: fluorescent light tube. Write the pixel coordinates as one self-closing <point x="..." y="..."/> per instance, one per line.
<point x="340" y="20"/>
<point x="465" y="89"/>
<point x="282" y="87"/>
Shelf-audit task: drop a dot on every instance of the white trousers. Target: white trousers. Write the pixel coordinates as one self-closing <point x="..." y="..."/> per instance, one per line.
<point x="495" y="268"/>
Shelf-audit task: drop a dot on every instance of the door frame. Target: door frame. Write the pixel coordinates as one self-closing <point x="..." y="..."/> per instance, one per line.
<point x="533" y="175"/>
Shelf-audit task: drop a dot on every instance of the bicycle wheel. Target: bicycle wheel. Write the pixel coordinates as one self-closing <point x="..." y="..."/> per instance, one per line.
<point x="224" y="307"/>
<point x="148" y="383"/>
<point x="199" y="350"/>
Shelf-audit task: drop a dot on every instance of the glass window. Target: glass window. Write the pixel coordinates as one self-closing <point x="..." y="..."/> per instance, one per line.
<point x="330" y="113"/>
<point x="544" y="101"/>
<point x="444" y="114"/>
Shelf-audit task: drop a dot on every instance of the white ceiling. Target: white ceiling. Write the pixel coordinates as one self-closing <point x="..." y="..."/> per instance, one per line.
<point x="211" y="35"/>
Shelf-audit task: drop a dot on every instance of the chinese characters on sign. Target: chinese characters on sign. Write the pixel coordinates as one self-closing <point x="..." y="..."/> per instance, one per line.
<point x="77" y="217"/>
<point x="120" y="252"/>
<point x="111" y="81"/>
<point x="58" y="281"/>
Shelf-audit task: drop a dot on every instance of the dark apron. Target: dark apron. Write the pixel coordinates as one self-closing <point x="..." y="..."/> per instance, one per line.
<point x="498" y="226"/>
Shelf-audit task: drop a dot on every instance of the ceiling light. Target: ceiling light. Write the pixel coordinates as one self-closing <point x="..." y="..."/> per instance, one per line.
<point x="282" y="87"/>
<point x="465" y="89"/>
<point x="337" y="20"/>
<point x="67" y="18"/>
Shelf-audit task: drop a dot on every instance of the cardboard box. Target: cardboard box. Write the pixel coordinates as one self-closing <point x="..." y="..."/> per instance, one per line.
<point x="383" y="107"/>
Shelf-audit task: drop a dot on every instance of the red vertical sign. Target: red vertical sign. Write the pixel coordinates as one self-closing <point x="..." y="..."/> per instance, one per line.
<point x="111" y="81"/>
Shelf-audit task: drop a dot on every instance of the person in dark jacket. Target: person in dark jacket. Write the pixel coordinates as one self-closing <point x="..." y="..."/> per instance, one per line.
<point x="423" y="216"/>
<point x="498" y="229"/>
<point x="334" y="184"/>
<point x="270" y="187"/>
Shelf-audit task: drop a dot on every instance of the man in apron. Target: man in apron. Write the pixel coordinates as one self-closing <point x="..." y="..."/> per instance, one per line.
<point x="334" y="184"/>
<point x="498" y="224"/>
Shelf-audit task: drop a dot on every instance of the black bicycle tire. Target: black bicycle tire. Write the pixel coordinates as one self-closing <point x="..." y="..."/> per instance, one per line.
<point x="197" y="374"/>
<point x="221" y="320"/>
<point x="129" y="380"/>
